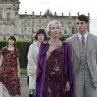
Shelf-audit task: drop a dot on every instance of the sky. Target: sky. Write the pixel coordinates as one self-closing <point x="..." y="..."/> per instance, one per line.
<point x="65" y="6"/>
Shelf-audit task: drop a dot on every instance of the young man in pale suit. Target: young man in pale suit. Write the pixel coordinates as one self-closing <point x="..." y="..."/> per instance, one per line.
<point x="84" y="57"/>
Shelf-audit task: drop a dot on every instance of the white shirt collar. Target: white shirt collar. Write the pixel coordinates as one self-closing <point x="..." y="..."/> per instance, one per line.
<point x="34" y="42"/>
<point x="85" y="35"/>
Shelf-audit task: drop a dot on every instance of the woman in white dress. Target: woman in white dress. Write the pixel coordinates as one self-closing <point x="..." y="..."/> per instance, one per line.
<point x="32" y="60"/>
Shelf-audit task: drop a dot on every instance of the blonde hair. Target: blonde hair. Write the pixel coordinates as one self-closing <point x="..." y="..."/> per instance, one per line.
<point x="49" y="26"/>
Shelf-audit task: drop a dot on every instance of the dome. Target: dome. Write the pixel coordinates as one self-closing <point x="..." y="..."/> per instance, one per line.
<point x="48" y="13"/>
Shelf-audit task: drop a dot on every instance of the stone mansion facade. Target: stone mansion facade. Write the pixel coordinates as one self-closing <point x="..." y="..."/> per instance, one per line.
<point x="22" y="26"/>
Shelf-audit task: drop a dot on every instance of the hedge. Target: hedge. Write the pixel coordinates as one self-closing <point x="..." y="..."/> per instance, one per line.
<point x="22" y="46"/>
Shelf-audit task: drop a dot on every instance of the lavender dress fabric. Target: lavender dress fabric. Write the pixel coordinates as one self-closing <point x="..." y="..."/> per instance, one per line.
<point x="53" y="74"/>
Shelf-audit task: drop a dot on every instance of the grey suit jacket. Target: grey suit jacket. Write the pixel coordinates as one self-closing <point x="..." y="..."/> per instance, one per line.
<point x="91" y="55"/>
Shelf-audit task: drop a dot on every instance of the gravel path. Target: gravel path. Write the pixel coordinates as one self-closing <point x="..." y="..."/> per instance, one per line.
<point x="24" y="86"/>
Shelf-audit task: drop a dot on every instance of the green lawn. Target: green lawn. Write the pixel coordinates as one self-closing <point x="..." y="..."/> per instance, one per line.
<point x="23" y="71"/>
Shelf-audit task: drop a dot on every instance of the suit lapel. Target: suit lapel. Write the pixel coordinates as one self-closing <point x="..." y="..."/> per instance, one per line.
<point x="76" y="45"/>
<point x="90" y="41"/>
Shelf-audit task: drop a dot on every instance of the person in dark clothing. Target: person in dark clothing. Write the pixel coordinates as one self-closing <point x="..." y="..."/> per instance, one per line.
<point x="26" y="53"/>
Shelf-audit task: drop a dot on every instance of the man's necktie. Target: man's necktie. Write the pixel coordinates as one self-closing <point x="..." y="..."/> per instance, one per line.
<point x="83" y="40"/>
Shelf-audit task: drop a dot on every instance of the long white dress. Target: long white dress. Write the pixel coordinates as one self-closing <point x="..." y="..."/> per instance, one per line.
<point x="32" y="62"/>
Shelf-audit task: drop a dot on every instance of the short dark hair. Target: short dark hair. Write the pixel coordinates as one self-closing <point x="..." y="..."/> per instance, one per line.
<point x="41" y="31"/>
<point x="83" y="18"/>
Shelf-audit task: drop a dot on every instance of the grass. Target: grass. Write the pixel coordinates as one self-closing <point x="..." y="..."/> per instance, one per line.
<point x="23" y="71"/>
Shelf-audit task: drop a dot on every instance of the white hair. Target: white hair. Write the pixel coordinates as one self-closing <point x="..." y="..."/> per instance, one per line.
<point x="49" y="26"/>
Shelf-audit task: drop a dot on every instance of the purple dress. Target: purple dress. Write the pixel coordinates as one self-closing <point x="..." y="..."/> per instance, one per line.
<point x="53" y="74"/>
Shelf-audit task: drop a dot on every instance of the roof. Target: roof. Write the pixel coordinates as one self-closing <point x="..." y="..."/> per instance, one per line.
<point x="9" y="0"/>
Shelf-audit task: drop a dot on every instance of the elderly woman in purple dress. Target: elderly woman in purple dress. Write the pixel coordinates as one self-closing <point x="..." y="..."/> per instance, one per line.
<point x="54" y="68"/>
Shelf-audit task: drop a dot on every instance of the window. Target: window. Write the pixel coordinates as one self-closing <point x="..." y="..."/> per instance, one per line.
<point x="65" y="31"/>
<point x="0" y="14"/>
<point x="8" y="15"/>
<point x="16" y="13"/>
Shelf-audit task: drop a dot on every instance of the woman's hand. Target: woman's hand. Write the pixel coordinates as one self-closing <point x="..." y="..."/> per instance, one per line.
<point x="52" y="48"/>
<point x="67" y="88"/>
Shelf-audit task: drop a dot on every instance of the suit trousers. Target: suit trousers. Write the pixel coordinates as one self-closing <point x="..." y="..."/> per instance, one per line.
<point x="83" y="84"/>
